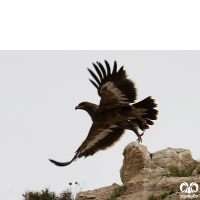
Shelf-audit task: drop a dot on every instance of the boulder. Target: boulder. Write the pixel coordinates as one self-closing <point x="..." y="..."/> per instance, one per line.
<point x="181" y="158"/>
<point x="136" y="157"/>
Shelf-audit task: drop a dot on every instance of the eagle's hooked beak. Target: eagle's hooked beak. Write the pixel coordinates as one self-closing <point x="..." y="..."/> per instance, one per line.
<point x="78" y="107"/>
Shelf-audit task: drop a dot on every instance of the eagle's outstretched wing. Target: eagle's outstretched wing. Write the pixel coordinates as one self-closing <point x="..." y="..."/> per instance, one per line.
<point x="100" y="137"/>
<point x="113" y="87"/>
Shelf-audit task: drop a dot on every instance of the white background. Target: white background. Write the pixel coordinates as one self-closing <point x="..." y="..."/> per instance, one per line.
<point x="39" y="92"/>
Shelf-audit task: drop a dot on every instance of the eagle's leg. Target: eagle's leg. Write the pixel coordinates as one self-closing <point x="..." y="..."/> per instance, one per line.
<point x="140" y="137"/>
<point x="130" y="125"/>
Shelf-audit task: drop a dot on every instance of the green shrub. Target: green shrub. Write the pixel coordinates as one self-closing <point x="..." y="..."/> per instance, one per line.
<point x="172" y="191"/>
<point x="47" y="195"/>
<point x="174" y="170"/>
<point x="152" y="198"/>
<point x="118" y="192"/>
<point x="163" y="196"/>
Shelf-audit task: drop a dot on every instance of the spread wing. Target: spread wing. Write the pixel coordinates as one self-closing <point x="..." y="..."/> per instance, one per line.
<point x="113" y="87"/>
<point x="100" y="137"/>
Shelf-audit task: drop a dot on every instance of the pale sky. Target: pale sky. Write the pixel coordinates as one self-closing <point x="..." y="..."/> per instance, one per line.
<point x="39" y="91"/>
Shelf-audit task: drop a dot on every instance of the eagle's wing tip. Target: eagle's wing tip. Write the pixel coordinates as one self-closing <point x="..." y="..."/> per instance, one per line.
<point x="59" y="163"/>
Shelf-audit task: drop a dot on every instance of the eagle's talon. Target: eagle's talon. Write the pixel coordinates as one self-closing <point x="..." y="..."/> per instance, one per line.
<point x="140" y="138"/>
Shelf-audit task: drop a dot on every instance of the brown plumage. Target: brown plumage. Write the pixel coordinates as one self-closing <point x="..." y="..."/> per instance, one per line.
<point x="115" y="112"/>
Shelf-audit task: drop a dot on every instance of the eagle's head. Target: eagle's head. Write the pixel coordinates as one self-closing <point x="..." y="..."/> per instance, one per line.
<point x="82" y="105"/>
<point x="87" y="106"/>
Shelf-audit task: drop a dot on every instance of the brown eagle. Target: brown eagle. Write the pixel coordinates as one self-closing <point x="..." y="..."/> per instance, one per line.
<point x="115" y="112"/>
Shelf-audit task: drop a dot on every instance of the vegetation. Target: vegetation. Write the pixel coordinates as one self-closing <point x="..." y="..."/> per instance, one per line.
<point x="172" y="191"/>
<point x="162" y="196"/>
<point x="174" y="170"/>
<point x="47" y="195"/>
<point x="118" y="192"/>
<point x="152" y="198"/>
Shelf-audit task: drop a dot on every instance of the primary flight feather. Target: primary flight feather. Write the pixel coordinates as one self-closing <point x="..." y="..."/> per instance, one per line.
<point x="115" y="113"/>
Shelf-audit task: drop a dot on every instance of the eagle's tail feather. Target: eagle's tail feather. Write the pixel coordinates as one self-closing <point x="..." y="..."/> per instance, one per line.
<point x="146" y="103"/>
<point x="148" y="113"/>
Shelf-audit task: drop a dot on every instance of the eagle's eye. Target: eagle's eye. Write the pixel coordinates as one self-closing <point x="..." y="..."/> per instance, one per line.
<point x="81" y="104"/>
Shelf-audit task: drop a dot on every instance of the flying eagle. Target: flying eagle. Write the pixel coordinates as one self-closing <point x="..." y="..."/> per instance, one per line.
<point x="115" y="112"/>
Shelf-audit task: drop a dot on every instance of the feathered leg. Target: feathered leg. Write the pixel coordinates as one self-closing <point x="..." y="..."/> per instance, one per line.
<point x="131" y="125"/>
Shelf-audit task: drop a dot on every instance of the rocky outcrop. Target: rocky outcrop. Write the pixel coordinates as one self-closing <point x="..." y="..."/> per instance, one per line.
<point x="171" y="156"/>
<point x="157" y="173"/>
<point x="148" y="174"/>
<point x="136" y="157"/>
<point x="97" y="194"/>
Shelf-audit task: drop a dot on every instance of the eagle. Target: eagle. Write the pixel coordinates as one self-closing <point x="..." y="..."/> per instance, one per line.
<point x="115" y="113"/>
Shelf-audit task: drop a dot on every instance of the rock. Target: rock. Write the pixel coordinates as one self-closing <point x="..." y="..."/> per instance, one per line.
<point x="197" y="170"/>
<point x="146" y="174"/>
<point x="97" y="194"/>
<point x="181" y="158"/>
<point x="136" y="157"/>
